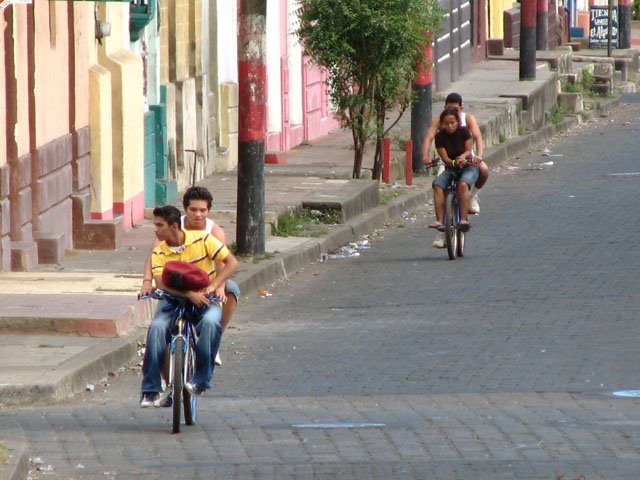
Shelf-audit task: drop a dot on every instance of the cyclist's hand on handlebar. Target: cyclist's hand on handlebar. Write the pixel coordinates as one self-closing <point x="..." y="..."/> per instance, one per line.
<point x="199" y="299"/>
<point x="146" y="289"/>
<point x="217" y="292"/>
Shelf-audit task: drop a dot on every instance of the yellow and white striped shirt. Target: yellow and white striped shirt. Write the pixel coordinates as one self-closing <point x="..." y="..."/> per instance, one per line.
<point x="200" y="248"/>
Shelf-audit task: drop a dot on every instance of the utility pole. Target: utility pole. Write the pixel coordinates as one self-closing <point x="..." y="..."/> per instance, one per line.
<point x="528" y="40"/>
<point x="252" y="99"/>
<point x="609" y="26"/>
<point x="624" y="23"/>
<point x="422" y="107"/>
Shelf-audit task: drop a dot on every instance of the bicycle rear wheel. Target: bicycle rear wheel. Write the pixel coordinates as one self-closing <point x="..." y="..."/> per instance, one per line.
<point x="190" y="402"/>
<point x="450" y="226"/>
<point x="178" y="362"/>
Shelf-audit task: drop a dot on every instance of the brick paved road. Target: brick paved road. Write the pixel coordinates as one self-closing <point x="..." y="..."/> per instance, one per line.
<point x="500" y="365"/>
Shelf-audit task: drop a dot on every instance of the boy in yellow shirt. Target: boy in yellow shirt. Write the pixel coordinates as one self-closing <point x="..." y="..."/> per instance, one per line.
<point x="209" y="254"/>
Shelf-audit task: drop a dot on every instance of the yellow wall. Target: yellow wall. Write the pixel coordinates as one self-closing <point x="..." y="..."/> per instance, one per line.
<point x="182" y="39"/>
<point x="164" y="42"/>
<point x="127" y="111"/>
<point x="198" y="36"/>
<point x="495" y="21"/>
<point x="228" y="125"/>
<point x="101" y="145"/>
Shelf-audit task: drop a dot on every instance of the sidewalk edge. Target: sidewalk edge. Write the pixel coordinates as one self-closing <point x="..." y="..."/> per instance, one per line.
<point x="17" y="466"/>
<point x="312" y="250"/>
<point x="75" y="373"/>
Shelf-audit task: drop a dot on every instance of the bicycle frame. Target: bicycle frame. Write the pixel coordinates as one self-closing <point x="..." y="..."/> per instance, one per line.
<point x="454" y="236"/>
<point x="452" y="189"/>
<point x="187" y="333"/>
<point x="182" y="356"/>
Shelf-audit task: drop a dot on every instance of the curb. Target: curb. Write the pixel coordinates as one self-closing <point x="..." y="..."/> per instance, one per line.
<point x="312" y="250"/>
<point x="498" y="154"/>
<point x="75" y="373"/>
<point x="17" y="466"/>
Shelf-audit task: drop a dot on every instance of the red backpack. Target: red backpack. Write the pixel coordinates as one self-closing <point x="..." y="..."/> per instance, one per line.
<point x="184" y="276"/>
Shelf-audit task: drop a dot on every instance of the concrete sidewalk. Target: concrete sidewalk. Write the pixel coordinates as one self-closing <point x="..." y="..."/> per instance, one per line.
<point x="69" y="325"/>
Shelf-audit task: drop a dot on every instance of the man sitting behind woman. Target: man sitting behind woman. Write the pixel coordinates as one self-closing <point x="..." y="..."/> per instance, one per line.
<point x="453" y="144"/>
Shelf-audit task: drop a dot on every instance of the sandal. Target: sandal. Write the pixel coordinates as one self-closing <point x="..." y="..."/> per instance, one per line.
<point x="464" y="226"/>
<point x="438" y="226"/>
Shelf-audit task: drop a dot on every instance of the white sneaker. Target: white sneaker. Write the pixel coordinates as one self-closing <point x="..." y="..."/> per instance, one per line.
<point x="438" y="242"/>
<point x="218" y="360"/>
<point x="474" y="205"/>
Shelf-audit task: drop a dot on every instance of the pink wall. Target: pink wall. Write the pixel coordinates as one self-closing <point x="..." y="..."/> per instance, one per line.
<point x="317" y="120"/>
<point x="83" y="20"/>
<point x="20" y="29"/>
<point x="52" y="71"/>
<point x="3" y="92"/>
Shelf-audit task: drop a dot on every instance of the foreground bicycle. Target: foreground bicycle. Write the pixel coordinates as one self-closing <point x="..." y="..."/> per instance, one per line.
<point x="453" y="233"/>
<point x="182" y="357"/>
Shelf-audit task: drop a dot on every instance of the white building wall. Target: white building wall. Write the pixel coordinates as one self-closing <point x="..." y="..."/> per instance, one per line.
<point x="227" y="41"/>
<point x="152" y="41"/>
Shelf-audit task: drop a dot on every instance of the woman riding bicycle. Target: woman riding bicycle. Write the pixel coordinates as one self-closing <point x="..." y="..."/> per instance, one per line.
<point x="453" y="144"/>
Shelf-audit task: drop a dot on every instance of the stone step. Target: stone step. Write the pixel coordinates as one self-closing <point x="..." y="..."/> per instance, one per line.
<point x="101" y="315"/>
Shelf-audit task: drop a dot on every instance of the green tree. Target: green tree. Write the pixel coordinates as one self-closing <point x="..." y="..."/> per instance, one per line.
<point x="371" y="50"/>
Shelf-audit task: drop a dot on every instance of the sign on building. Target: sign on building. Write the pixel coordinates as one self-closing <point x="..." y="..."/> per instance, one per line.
<point x="599" y="27"/>
<point x="5" y="3"/>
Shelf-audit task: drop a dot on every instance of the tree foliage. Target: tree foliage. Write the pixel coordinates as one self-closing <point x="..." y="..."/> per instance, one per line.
<point x="371" y="50"/>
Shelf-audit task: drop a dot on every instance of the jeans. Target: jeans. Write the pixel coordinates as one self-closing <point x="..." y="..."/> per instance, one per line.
<point x="468" y="175"/>
<point x="209" y="333"/>
<point x="232" y="288"/>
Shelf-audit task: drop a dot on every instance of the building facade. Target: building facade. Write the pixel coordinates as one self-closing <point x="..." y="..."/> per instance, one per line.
<point x="112" y="107"/>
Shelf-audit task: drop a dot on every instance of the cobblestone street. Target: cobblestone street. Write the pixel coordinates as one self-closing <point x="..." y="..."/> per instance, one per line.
<point x="400" y="364"/>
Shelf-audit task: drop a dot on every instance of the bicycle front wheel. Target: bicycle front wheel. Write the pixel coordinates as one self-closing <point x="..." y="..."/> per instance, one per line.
<point x="450" y="225"/>
<point x="190" y="402"/>
<point x="460" y="246"/>
<point x="178" y="364"/>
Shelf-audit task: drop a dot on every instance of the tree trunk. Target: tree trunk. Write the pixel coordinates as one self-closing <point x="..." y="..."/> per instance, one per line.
<point x="380" y="132"/>
<point x="377" y="161"/>
<point x="357" y="160"/>
<point x="359" y="142"/>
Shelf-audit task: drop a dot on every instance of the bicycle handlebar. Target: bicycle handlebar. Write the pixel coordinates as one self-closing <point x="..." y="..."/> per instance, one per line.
<point x="161" y="294"/>
<point x="181" y="307"/>
<point x="436" y="161"/>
